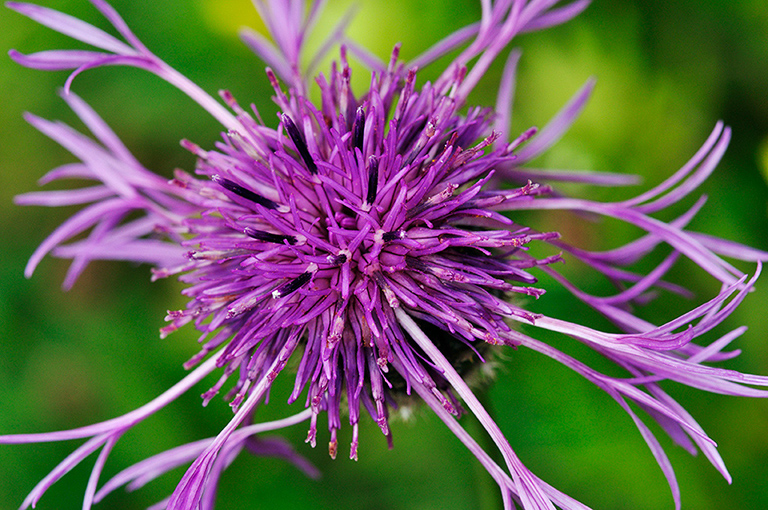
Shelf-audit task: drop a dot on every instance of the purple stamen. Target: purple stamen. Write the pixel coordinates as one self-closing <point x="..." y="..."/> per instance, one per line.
<point x="298" y="141"/>
<point x="388" y="237"/>
<point x="268" y="236"/>
<point x="359" y="129"/>
<point x="373" y="179"/>
<point x="243" y="192"/>
<point x="292" y="286"/>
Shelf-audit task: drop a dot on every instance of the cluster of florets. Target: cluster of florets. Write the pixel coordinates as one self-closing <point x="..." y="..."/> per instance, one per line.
<point x="314" y="234"/>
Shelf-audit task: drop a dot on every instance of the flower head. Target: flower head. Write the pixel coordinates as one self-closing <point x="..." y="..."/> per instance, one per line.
<point x="371" y="239"/>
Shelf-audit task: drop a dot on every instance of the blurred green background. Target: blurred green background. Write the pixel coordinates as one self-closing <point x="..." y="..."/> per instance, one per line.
<point x="666" y="72"/>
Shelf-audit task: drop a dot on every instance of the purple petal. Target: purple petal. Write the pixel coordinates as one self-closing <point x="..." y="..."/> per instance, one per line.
<point x="559" y="124"/>
<point x="93" y="480"/>
<point x="79" y="222"/>
<point x="336" y="36"/>
<point x="150" y="468"/>
<point x="140" y="62"/>
<point x="530" y="492"/>
<point x="64" y="467"/>
<point x="580" y="176"/>
<point x="557" y="16"/>
<point x="104" y="167"/>
<point x="678" y="176"/>
<point x="148" y="251"/>
<point x="64" y="197"/>
<point x="56" y="60"/>
<point x="113" y="17"/>
<point x="678" y="239"/>
<point x="699" y="176"/>
<point x="123" y="422"/>
<point x="658" y="452"/>
<point x="729" y="248"/>
<point x="73" y="27"/>
<point x="68" y="171"/>
<point x="267" y="52"/>
<point x="366" y="57"/>
<point x="446" y="45"/>
<point x="506" y="95"/>
<point x="100" y="128"/>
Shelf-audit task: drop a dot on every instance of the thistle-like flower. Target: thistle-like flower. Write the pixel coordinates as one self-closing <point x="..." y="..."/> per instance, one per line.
<point x="372" y="238"/>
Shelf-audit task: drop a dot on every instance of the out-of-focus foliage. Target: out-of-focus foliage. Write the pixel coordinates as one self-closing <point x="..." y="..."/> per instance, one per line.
<point x="666" y="72"/>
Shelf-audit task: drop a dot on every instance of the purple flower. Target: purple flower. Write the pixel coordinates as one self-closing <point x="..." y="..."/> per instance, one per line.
<point x="371" y="239"/>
